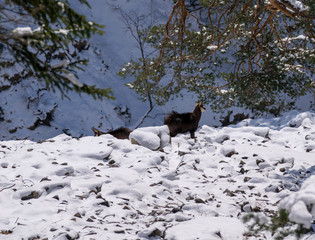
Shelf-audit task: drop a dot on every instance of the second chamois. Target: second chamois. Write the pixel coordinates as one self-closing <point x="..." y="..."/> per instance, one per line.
<point x="120" y="133"/>
<point x="184" y="122"/>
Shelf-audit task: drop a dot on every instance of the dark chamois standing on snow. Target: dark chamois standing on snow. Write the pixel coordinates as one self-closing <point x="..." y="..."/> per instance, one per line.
<point x="120" y="133"/>
<point x="184" y="122"/>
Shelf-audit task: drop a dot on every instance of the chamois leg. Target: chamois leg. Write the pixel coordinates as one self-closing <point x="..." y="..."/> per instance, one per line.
<point x="192" y="134"/>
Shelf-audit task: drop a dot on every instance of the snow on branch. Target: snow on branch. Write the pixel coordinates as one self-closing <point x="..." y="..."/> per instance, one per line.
<point x="22" y="32"/>
<point x="74" y="80"/>
<point x="291" y="8"/>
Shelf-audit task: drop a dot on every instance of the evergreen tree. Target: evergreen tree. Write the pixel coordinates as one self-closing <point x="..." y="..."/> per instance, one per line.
<point x="35" y="36"/>
<point x="255" y="54"/>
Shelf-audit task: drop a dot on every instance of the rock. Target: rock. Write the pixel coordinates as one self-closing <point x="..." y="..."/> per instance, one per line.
<point x="246" y="208"/>
<point x="229" y="193"/>
<point x="300" y="119"/>
<point x="246" y="179"/>
<point x="66" y="171"/>
<point x="153" y="138"/>
<point x="199" y="200"/>
<point x="228" y="151"/>
<point x="31" y="195"/>
<point x="222" y="138"/>
<point x="262" y="132"/>
<point x="156" y="233"/>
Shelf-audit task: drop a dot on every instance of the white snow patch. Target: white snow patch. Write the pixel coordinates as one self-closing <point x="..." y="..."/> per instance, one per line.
<point x="207" y="228"/>
<point x="212" y="47"/>
<point x="151" y="137"/>
<point x="22" y="32"/>
<point x="74" y="80"/>
<point x="297" y="5"/>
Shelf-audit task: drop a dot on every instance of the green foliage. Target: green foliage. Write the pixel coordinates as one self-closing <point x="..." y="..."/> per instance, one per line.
<point x="279" y="226"/>
<point x="235" y="56"/>
<point x="37" y="33"/>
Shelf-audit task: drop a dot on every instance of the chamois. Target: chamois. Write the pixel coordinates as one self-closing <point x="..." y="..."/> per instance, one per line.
<point x="120" y="133"/>
<point x="184" y="122"/>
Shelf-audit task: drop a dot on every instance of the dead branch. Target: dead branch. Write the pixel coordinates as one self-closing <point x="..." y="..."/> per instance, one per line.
<point x="181" y="5"/>
<point x="7" y="187"/>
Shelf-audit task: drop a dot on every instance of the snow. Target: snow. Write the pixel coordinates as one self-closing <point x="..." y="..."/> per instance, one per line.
<point x="74" y="80"/>
<point x="212" y="47"/>
<point x="208" y="228"/>
<point x="297" y="5"/>
<point x="153" y="138"/>
<point x="106" y="188"/>
<point x="63" y="63"/>
<point x="22" y="31"/>
<point x="290" y="39"/>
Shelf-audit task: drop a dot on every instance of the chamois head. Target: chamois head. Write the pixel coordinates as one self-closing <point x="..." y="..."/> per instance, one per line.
<point x="120" y="133"/>
<point x="200" y="106"/>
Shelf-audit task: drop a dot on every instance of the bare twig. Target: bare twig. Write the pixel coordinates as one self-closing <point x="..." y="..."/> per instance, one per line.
<point x="7" y="187"/>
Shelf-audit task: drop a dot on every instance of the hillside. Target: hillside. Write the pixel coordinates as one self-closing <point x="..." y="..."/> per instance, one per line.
<point x="105" y="188"/>
<point x="28" y="110"/>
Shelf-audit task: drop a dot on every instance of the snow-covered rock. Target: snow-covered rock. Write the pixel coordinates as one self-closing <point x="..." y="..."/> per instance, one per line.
<point x="302" y="119"/>
<point x="153" y="138"/>
<point x="301" y="205"/>
<point x="207" y="228"/>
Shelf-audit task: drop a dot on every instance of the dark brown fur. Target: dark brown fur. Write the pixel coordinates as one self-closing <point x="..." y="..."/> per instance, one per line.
<point x="184" y="122"/>
<point x="237" y="118"/>
<point x="120" y="133"/>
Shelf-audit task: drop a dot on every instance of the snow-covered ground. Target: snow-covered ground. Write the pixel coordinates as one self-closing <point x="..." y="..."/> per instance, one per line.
<point x="105" y="188"/>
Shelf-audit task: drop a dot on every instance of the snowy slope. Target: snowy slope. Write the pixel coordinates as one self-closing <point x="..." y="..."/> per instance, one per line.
<point x="29" y="101"/>
<point x="105" y="188"/>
